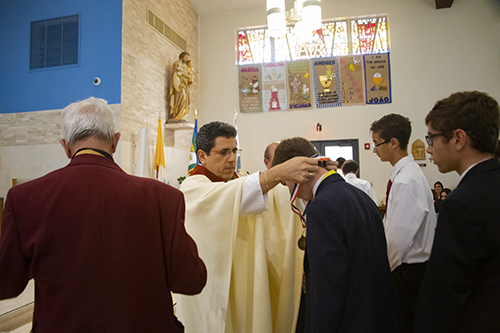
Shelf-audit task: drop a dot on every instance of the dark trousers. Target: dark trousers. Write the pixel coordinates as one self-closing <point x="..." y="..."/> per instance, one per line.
<point x="407" y="280"/>
<point x="301" y="319"/>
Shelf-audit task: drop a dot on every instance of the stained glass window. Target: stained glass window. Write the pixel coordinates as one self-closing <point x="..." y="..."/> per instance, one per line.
<point x="381" y="39"/>
<point x="363" y="35"/>
<point x="244" y="53"/>
<point x="329" y="36"/>
<point x="367" y="35"/>
<point x="282" y="51"/>
<point x="256" y="40"/>
<point x="341" y="41"/>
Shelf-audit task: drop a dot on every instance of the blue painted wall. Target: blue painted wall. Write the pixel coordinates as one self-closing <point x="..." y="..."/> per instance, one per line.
<point x="22" y="89"/>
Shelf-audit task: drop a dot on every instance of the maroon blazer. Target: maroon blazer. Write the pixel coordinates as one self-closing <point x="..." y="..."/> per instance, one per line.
<point x="105" y="249"/>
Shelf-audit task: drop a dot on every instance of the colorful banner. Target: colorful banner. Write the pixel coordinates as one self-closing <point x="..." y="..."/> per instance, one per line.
<point x="299" y="85"/>
<point x="250" y="90"/>
<point x="378" y="78"/>
<point x="274" y="86"/>
<point x="326" y="82"/>
<point x="352" y="80"/>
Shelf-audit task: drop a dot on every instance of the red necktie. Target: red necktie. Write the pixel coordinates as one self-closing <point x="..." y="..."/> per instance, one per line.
<point x="389" y="184"/>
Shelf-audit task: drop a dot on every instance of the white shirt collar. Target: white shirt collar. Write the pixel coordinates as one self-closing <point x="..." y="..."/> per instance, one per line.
<point x="316" y="185"/>
<point x="400" y="164"/>
<point x="350" y="176"/>
<point x="470" y="167"/>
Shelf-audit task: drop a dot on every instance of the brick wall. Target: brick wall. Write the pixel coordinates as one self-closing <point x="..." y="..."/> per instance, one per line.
<point x="146" y="65"/>
<point x="37" y="127"/>
<point x="30" y="128"/>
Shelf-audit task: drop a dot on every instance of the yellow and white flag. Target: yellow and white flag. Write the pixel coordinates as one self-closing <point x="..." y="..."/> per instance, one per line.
<point x="159" y="161"/>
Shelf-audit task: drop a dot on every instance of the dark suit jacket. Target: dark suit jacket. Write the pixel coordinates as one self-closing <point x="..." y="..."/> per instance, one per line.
<point x="105" y="249"/>
<point x="349" y="285"/>
<point x="461" y="288"/>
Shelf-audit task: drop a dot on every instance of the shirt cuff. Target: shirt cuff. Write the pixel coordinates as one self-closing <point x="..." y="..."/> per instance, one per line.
<point x="252" y="199"/>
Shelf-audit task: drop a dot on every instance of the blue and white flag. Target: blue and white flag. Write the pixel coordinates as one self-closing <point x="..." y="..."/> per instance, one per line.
<point x="193" y="158"/>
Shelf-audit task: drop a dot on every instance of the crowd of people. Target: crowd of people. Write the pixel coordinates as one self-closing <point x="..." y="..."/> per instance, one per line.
<point x="300" y="247"/>
<point x="439" y="192"/>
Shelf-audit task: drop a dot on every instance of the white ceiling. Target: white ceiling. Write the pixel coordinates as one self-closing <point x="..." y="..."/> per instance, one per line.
<point x="209" y="7"/>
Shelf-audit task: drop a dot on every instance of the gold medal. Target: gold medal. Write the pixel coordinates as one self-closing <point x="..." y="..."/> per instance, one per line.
<point x="302" y="243"/>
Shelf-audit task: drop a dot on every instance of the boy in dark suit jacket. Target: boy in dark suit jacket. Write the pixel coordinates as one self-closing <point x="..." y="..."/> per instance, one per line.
<point x="461" y="288"/>
<point x="348" y="280"/>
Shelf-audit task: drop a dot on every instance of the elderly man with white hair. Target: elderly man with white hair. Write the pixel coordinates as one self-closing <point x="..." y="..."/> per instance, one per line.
<point x="105" y="249"/>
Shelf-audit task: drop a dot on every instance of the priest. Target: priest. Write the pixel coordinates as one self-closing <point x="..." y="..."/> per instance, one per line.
<point x="246" y="236"/>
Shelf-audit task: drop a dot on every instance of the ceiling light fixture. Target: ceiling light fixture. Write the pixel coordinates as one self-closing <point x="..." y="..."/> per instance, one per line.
<point x="311" y="14"/>
<point x="306" y="14"/>
<point x="276" y="18"/>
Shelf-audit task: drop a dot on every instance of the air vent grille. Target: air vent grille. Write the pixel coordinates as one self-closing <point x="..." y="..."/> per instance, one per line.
<point x="156" y="23"/>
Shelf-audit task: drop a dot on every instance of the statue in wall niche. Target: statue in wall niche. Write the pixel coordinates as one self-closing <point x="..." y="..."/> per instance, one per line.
<point x="182" y="78"/>
<point x="418" y="150"/>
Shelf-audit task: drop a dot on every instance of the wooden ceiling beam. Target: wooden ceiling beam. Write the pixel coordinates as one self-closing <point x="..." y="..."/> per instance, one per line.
<point x="443" y="4"/>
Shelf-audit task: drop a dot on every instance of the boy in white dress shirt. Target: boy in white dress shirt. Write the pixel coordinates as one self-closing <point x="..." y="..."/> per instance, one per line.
<point x="410" y="219"/>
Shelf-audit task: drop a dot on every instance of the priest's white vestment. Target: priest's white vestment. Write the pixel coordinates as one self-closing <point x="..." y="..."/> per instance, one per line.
<point x="253" y="262"/>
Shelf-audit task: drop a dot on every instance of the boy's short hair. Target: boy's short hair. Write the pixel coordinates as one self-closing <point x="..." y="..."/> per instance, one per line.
<point x="293" y="147"/>
<point x="393" y="126"/>
<point x="474" y="112"/>
<point x="350" y="166"/>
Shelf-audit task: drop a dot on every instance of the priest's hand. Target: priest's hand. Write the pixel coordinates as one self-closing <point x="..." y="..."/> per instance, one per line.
<point x="296" y="170"/>
<point x="331" y="165"/>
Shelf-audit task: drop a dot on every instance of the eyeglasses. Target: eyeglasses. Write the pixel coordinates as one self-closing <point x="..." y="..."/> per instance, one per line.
<point x="226" y="152"/>
<point x="430" y="138"/>
<point x="382" y="143"/>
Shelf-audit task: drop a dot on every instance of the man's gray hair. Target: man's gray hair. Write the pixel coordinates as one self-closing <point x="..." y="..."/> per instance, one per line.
<point x="86" y="119"/>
